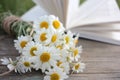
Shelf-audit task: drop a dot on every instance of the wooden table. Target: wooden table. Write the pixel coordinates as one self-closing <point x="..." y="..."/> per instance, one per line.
<point x="102" y="61"/>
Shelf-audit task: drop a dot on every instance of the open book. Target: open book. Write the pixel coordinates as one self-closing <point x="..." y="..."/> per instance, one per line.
<point x="94" y="19"/>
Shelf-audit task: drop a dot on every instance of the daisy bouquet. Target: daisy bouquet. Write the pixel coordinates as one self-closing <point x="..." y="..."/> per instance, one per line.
<point x="48" y="48"/>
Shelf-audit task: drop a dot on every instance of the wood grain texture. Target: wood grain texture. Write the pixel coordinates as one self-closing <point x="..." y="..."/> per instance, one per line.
<point x="102" y="61"/>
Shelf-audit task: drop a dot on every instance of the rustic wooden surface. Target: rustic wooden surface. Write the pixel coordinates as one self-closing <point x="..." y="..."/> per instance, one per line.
<point x="102" y="61"/>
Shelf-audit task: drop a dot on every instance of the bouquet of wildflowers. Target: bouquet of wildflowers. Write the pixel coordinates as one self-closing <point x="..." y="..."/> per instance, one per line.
<point x="48" y="48"/>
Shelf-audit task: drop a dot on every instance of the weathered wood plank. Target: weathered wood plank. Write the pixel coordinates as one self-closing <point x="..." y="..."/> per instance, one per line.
<point x="112" y="76"/>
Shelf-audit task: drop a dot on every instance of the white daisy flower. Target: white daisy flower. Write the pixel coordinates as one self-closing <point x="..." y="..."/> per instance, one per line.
<point x="64" y="66"/>
<point x="60" y="44"/>
<point x="30" y="48"/>
<point x="76" y="53"/>
<point x="65" y="56"/>
<point x="68" y="38"/>
<point x="46" y="57"/>
<point x="42" y="37"/>
<point x="55" y="74"/>
<point x="54" y="37"/>
<point x="21" y="42"/>
<point x="42" y="22"/>
<point x="9" y="62"/>
<point x="24" y="65"/>
<point x="78" y="67"/>
<point x="56" y="24"/>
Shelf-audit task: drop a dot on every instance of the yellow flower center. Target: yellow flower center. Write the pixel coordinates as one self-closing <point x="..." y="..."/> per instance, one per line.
<point x="77" y="66"/>
<point x="75" y="52"/>
<point x="60" y="47"/>
<point x="67" y="39"/>
<point x="59" y="63"/>
<point x="26" y="64"/>
<point x="44" y="24"/>
<point x="54" y="38"/>
<point x="45" y="57"/>
<point x="32" y="51"/>
<point x="55" y="76"/>
<point x="43" y="37"/>
<point x="23" y="44"/>
<point x="56" y="24"/>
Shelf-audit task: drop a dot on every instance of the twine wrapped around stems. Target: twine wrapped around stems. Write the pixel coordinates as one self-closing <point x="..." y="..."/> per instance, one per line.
<point x="6" y="23"/>
<point x="13" y="25"/>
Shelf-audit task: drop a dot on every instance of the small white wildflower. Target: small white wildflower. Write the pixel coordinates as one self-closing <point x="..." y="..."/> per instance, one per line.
<point x="42" y="37"/>
<point x="21" y="42"/>
<point x="42" y="22"/>
<point x="78" y="67"/>
<point x="24" y="65"/>
<point x="45" y="58"/>
<point x="30" y="49"/>
<point x="55" y="74"/>
<point x="64" y="66"/>
<point x="68" y="39"/>
<point x="56" y="24"/>
<point x="76" y="53"/>
<point x="9" y="62"/>
<point x="54" y="37"/>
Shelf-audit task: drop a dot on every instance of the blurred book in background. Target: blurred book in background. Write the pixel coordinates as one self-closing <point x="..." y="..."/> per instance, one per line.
<point x="94" y="19"/>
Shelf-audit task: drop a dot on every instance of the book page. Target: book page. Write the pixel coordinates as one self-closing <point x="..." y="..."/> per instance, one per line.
<point x="101" y="27"/>
<point x="84" y="10"/>
<point x="108" y="36"/>
<point x="106" y="13"/>
<point x="58" y="8"/>
<point x="73" y="7"/>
